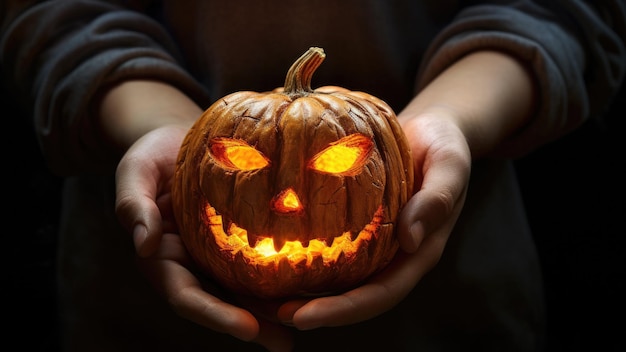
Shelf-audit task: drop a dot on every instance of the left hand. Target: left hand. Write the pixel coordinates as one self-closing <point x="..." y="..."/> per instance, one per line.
<point x="442" y="162"/>
<point x="466" y="112"/>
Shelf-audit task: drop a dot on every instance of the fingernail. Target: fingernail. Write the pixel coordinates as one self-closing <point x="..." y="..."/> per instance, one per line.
<point x="139" y="236"/>
<point x="288" y="323"/>
<point x="417" y="233"/>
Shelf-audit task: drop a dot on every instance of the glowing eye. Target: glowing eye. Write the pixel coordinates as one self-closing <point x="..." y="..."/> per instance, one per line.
<point x="345" y="156"/>
<point x="237" y="154"/>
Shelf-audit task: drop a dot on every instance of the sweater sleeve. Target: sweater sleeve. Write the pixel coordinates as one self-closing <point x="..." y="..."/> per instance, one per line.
<point x="577" y="54"/>
<point x="59" y="55"/>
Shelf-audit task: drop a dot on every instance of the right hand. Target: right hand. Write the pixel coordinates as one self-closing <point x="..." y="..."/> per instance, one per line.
<point x="143" y="182"/>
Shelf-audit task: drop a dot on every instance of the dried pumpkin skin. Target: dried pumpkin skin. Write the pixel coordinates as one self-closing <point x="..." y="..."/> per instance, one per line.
<point x="293" y="191"/>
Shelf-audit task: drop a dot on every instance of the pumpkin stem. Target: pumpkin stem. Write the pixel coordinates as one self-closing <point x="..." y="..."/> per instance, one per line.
<point x="298" y="81"/>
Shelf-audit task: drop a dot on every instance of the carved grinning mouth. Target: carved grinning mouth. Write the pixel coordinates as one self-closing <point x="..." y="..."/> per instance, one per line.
<point x="234" y="239"/>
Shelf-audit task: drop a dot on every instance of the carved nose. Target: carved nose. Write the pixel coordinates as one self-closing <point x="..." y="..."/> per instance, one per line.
<point x="287" y="202"/>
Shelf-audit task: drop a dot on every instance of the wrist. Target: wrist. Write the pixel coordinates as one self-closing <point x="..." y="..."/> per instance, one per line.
<point x="489" y="95"/>
<point x="131" y="109"/>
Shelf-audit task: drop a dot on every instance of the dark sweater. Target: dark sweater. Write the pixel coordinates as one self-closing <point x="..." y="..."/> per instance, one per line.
<point x="57" y="56"/>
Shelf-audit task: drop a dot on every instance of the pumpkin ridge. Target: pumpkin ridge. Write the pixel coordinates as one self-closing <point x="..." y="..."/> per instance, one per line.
<point x="347" y="215"/>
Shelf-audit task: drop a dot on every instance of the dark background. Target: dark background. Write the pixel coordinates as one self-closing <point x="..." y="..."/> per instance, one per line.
<point x="574" y="189"/>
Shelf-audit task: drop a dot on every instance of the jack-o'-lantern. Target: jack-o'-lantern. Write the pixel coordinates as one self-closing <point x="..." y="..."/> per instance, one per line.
<point x="292" y="191"/>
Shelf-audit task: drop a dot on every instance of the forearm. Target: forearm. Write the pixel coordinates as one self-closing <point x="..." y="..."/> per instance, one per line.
<point x="488" y="95"/>
<point x="133" y="108"/>
<point x="60" y="57"/>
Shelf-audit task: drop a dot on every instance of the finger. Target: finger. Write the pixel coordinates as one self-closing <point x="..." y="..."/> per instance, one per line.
<point x="275" y="338"/>
<point x="263" y="308"/>
<point x="286" y="311"/>
<point x="136" y="191"/>
<point x="164" y="204"/>
<point x="198" y="306"/>
<point x="425" y="213"/>
<point x="187" y="298"/>
<point x="437" y="202"/>
<point x="379" y="295"/>
<point x="142" y="182"/>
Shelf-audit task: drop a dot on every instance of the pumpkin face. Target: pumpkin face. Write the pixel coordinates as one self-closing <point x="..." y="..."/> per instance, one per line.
<point x="294" y="191"/>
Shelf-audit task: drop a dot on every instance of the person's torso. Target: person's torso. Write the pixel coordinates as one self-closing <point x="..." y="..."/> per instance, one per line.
<point x="372" y="46"/>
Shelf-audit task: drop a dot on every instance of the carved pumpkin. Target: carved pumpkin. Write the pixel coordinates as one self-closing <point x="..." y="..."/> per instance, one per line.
<point x="293" y="191"/>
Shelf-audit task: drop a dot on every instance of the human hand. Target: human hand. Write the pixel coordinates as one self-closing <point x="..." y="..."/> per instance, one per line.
<point x="143" y="205"/>
<point x="466" y="112"/>
<point x="442" y="162"/>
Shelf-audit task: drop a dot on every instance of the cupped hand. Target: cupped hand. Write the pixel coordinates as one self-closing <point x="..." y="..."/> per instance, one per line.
<point x="143" y="205"/>
<point x="442" y="162"/>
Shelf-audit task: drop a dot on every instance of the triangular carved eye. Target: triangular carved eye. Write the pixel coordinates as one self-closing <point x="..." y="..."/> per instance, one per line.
<point x="344" y="157"/>
<point x="237" y="154"/>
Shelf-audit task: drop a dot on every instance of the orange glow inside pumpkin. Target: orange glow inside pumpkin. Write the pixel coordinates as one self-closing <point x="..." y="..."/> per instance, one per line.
<point x="237" y="154"/>
<point x="343" y="157"/>
<point x="290" y="200"/>
<point x="346" y="155"/>
<point x="287" y="202"/>
<point x="235" y="239"/>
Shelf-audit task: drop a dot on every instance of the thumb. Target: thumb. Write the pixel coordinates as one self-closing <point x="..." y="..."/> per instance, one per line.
<point x="135" y="204"/>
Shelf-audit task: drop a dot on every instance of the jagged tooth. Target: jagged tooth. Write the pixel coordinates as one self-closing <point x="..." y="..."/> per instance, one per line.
<point x="253" y="239"/>
<point x="226" y="226"/>
<point x="305" y="242"/>
<point x="317" y="264"/>
<point x="279" y="242"/>
<point x="354" y="234"/>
